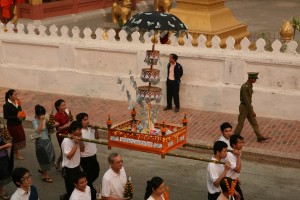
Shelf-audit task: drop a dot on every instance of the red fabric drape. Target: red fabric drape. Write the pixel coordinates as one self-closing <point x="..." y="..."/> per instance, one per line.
<point x="5" y="5"/>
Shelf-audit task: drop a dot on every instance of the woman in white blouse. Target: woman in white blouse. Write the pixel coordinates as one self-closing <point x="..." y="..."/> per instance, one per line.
<point x="155" y="189"/>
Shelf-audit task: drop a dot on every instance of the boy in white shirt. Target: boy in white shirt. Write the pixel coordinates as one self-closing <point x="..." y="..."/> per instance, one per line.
<point x="226" y="130"/>
<point x="81" y="191"/>
<point x="215" y="172"/>
<point x="88" y="159"/>
<point x="25" y="190"/>
<point x="237" y="143"/>
<point x="71" y="156"/>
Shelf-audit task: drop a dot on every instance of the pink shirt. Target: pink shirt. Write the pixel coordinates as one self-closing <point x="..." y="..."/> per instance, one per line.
<point x="171" y="72"/>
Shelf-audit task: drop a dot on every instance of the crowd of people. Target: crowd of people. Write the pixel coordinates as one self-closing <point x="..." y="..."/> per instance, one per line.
<point x="78" y="160"/>
<point x="220" y="178"/>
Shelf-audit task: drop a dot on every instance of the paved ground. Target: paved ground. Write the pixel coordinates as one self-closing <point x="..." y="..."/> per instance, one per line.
<point x="203" y="127"/>
<point x="186" y="178"/>
<point x="264" y="15"/>
<point x="260" y="15"/>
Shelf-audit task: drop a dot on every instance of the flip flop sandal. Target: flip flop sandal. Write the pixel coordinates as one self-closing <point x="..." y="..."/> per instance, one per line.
<point x="19" y="158"/>
<point x="4" y="196"/>
<point x="57" y="166"/>
<point x="48" y="180"/>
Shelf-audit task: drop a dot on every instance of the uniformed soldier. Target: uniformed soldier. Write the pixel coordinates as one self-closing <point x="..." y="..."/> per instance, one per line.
<point x="246" y="109"/>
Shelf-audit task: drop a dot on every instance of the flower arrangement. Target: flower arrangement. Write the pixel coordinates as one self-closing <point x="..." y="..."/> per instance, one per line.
<point x="231" y="189"/>
<point x="128" y="189"/>
<point x="21" y="113"/>
<point x="51" y="123"/>
<point x="5" y="134"/>
<point x="166" y="194"/>
<point x="184" y="120"/>
<point x="70" y="117"/>
<point x="163" y="129"/>
<point x="133" y="114"/>
<point x="109" y="122"/>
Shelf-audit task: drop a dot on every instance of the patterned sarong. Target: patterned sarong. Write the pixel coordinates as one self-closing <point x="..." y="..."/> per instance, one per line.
<point x="45" y="153"/>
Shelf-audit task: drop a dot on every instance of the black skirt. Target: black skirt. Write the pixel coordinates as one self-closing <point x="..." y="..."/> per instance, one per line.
<point x="5" y="170"/>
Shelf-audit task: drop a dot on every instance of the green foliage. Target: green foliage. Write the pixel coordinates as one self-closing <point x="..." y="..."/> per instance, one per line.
<point x="295" y="22"/>
<point x="267" y="36"/>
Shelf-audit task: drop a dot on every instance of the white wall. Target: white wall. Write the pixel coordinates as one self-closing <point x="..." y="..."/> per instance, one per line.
<point x="90" y="67"/>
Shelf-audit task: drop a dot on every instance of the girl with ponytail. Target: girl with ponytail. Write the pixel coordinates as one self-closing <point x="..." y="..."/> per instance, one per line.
<point x="155" y="189"/>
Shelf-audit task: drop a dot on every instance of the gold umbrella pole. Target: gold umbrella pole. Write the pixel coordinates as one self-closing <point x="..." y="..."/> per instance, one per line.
<point x="199" y="146"/>
<point x="149" y="117"/>
<point x="194" y="158"/>
<point x="83" y="139"/>
<point x="149" y="87"/>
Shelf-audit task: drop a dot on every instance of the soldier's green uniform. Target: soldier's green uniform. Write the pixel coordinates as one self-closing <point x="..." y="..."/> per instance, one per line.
<point x="246" y="109"/>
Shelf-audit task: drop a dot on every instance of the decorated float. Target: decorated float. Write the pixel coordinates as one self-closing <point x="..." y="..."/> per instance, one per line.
<point x="142" y="132"/>
<point x="162" y="139"/>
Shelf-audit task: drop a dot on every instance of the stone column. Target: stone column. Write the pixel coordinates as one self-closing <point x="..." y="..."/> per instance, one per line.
<point x="209" y="17"/>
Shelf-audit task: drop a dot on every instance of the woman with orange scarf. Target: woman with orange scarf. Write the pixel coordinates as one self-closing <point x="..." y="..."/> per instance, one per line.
<point x="13" y="113"/>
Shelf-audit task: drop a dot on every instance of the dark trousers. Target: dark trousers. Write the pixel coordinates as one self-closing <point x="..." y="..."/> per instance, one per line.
<point x="213" y="196"/>
<point x="91" y="167"/>
<point x="68" y="174"/>
<point x="172" y="92"/>
<point x="245" y="113"/>
<point x="239" y="190"/>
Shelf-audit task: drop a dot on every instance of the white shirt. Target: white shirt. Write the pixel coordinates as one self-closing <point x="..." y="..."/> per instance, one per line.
<point x="232" y="158"/>
<point x="222" y="138"/>
<point x="214" y="171"/>
<point x="113" y="184"/>
<point x="78" y="195"/>
<point x="171" y="72"/>
<point x="66" y="147"/>
<point x="15" y="104"/>
<point x="20" y="194"/>
<point x="151" y="198"/>
<point x="222" y="197"/>
<point x="90" y="149"/>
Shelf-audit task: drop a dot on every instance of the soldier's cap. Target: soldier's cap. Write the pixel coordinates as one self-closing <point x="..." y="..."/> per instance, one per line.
<point x="253" y="75"/>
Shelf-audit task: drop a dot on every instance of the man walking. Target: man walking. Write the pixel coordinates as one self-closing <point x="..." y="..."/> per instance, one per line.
<point x="246" y="109"/>
<point x="175" y="72"/>
<point x="216" y="172"/>
<point x="114" y="179"/>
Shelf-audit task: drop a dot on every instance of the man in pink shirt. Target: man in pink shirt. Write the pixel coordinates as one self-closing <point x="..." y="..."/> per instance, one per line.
<point x="175" y="72"/>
